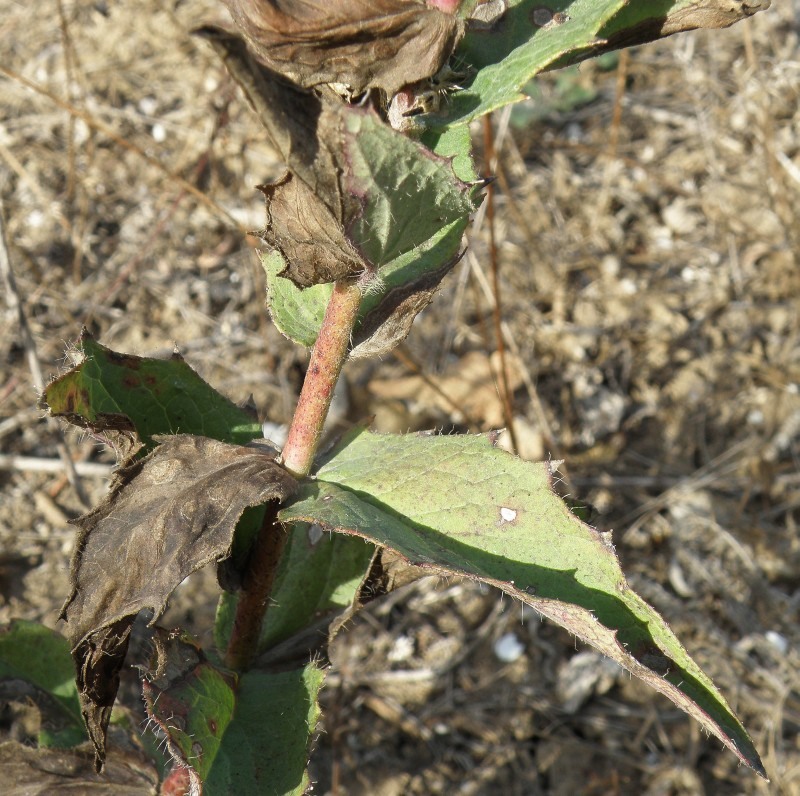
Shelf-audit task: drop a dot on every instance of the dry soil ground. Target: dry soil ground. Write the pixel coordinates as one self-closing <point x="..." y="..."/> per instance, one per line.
<point x="648" y="239"/>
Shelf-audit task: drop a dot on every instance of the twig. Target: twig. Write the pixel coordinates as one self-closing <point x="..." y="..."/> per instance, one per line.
<point x="14" y="302"/>
<point x="327" y="358"/>
<point x="35" y="464"/>
<point x="505" y="391"/>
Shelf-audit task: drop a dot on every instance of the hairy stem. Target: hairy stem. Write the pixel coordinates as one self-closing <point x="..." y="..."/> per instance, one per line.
<point x="327" y="358"/>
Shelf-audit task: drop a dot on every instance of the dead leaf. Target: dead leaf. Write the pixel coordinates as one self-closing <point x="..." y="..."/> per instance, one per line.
<point x="302" y="227"/>
<point x="166" y="516"/>
<point x="361" y="44"/>
<point x="288" y="114"/>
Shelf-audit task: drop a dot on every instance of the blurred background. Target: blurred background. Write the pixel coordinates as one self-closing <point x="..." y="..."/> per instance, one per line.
<point x="647" y="236"/>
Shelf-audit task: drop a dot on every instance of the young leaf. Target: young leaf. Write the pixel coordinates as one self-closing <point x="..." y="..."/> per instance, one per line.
<point x="190" y="700"/>
<point x="406" y="192"/>
<point x="458" y="505"/>
<point x="35" y="664"/>
<point x="166" y="516"/>
<point x="245" y="736"/>
<point x="392" y="197"/>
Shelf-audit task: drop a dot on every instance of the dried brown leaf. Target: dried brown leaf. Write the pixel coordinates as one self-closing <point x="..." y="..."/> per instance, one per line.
<point x="361" y="44"/>
<point x="692" y="16"/>
<point x="288" y="114"/>
<point x="302" y="227"/>
<point x="166" y="516"/>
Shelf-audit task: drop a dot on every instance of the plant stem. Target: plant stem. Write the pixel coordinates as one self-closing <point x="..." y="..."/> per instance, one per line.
<point x="257" y="583"/>
<point x="327" y="359"/>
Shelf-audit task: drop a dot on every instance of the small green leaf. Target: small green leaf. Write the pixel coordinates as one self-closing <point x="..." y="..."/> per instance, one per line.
<point x="297" y="313"/>
<point x="108" y="391"/>
<point x="245" y="735"/>
<point x="39" y="657"/>
<point x="459" y="505"/>
<point x="190" y="700"/>
<point x="408" y="193"/>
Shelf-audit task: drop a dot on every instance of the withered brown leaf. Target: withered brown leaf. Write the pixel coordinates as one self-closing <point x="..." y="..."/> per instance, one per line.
<point x="361" y="44"/>
<point x="306" y="208"/>
<point x="303" y="228"/>
<point x="166" y="516"/>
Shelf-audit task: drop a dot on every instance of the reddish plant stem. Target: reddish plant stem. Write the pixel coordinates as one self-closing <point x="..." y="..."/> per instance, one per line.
<point x="327" y="359"/>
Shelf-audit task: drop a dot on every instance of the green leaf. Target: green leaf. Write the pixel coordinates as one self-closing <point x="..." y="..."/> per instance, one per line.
<point x="190" y="700"/>
<point x="108" y="391"/>
<point x="319" y="574"/>
<point x="407" y="192"/>
<point x="408" y="207"/>
<point x="517" y="47"/>
<point x="35" y="663"/>
<point x="531" y="37"/>
<point x="458" y="505"/>
<point x="245" y="736"/>
<point x="266" y="746"/>
<point x="297" y="313"/>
